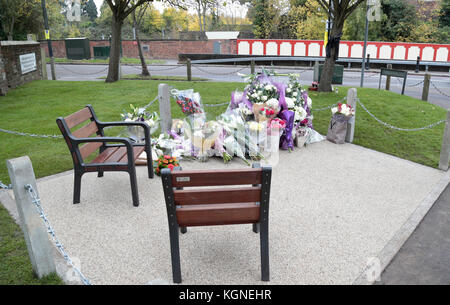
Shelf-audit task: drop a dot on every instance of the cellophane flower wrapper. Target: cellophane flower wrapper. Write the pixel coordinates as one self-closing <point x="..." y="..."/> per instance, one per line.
<point x="256" y="138"/>
<point x="234" y="133"/>
<point x="189" y="101"/>
<point x="203" y="135"/>
<point x="286" y="139"/>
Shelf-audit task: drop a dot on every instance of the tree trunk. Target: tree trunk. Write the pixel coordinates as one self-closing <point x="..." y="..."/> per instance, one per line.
<point x="141" y="55"/>
<point x="114" y="55"/>
<point x="328" y="67"/>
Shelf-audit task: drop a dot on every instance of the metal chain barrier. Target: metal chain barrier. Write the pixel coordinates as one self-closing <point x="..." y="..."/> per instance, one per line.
<point x="398" y="128"/>
<point x="421" y="82"/>
<point x="365" y="74"/>
<point x="151" y="103"/>
<point x="216" y="105"/>
<point x="215" y="73"/>
<point x="156" y="70"/>
<point x="401" y="83"/>
<point x="438" y="90"/>
<point x="37" y="202"/>
<point x="4" y="186"/>
<point x="71" y="71"/>
<point x="30" y="134"/>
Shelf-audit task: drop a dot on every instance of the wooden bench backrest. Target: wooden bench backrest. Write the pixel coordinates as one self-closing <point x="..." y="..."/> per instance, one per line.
<point x="91" y="128"/>
<point x="217" y="204"/>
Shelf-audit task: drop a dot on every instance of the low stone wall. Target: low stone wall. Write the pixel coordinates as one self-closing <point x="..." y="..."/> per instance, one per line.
<point x="155" y="49"/>
<point x="11" y="73"/>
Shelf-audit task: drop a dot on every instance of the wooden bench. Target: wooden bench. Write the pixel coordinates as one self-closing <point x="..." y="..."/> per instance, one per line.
<point x="217" y="205"/>
<point x="111" y="157"/>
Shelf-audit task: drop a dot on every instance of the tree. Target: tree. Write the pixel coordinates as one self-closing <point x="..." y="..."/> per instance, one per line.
<point x="89" y="8"/>
<point x="19" y="17"/>
<point x="339" y="11"/>
<point x="120" y="9"/>
<point x="262" y="14"/>
<point x="138" y="15"/>
<point x="309" y="17"/>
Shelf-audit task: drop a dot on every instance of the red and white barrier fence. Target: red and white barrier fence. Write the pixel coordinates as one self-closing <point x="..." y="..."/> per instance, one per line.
<point x="351" y="49"/>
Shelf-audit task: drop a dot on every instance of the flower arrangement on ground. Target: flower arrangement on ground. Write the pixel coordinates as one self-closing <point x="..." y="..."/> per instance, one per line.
<point x="344" y="109"/>
<point x="165" y="161"/>
<point x="140" y="115"/>
<point x="337" y="129"/>
<point x="189" y="101"/>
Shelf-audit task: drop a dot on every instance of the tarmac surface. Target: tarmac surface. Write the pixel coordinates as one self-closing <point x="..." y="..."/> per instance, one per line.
<point x="333" y="209"/>
<point x="424" y="259"/>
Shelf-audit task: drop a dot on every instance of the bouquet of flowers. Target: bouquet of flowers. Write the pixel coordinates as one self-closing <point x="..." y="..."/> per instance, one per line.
<point x="189" y="101"/>
<point x="140" y="115"/>
<point x="344" y="109"/>
<point x="276" y="123"/>
<point x="337" y="128"/>
<point x="266" y="112"/>
<point x="165" y="161"/>
<point x="259" y="93"/>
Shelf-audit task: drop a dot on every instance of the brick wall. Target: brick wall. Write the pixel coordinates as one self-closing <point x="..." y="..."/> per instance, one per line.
<point x="157" y="49"/>
<point x="10" y="70"/>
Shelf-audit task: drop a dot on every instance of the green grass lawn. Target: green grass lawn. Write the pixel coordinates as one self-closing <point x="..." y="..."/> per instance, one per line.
<point x="15" y="265"/>
<point x="34" y="107"/>
<point x="124" y="60"/>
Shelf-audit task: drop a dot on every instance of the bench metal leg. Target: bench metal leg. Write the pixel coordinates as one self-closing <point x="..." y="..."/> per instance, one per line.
<point x="100" y="174"/>
<point x="151" y="173"/>
<point x="264" y="238"/>
<point x="175" y="252"/>
<point x="256" y="227"/>
<point x="77" y="187"/>
<point x="134" y="189"/>
<point x="183" y="230"/>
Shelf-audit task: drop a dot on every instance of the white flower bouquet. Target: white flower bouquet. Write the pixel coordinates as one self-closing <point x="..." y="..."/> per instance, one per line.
<point x="140" y="115"/>
<point x="344" y="109"/>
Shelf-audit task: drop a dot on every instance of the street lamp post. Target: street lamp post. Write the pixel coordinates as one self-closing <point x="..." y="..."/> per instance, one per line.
<point x="363" y="66"/>
<point x="49" y="41"/>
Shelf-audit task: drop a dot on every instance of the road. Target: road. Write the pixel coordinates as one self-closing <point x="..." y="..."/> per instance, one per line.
<point x="439" y="89"/>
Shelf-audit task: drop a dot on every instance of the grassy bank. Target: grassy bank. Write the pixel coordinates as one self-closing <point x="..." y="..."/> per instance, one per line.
<point x="15" y="265"/>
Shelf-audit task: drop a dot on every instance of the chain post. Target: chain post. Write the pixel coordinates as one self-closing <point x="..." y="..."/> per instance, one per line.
<point x="444" y="157"/>
<point x="426" y="87"/>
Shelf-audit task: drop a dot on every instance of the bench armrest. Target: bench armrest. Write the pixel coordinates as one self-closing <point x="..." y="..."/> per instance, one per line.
<point x="123" y="123"/>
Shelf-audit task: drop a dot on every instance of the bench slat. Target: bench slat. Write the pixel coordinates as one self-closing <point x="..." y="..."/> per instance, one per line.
<point x="117" y="155"/>
<point x="87" y="149"/>
<point x="86" y="131"/>
<point x="101" y="158"/>
<point x="137" y="150"/>
<point x="215" y="178"/>
<point x="218" y="214"/>
<point x="217" y="195"/>
<point x="78" y="117"/>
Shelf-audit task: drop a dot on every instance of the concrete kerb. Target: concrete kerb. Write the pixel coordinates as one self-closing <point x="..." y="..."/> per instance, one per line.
<point x="401" y="236"/>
